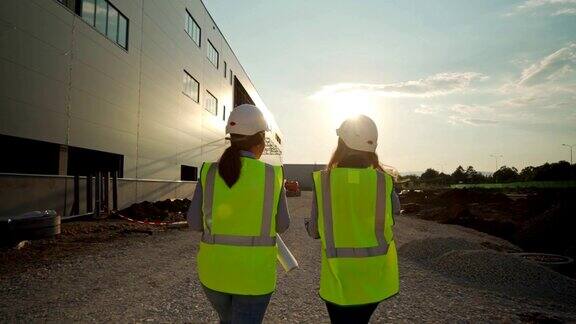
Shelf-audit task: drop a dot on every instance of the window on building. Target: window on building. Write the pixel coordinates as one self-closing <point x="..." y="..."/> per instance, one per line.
<point x="88" y="11"/>
<point x="191" y="87"/>
<point x="112" y="29"/>
<point x="231" y="77"/>
<point x="224" y="113"/>
<point x="192" y="28"/>
<point x="212" y="54"/>
<point x="84" y="161"/>
<point x="188" y="173"/>
<point x="25" y="153"/>
<point x="211" y="103"/>
<point x="123" y="31"/>
<point x="106" y="19"/>
<point x="101" y="13"/>
<point x="225" y="70"/>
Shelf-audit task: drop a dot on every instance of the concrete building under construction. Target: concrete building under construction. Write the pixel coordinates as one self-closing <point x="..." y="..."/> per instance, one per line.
<point x="141" y="88"/>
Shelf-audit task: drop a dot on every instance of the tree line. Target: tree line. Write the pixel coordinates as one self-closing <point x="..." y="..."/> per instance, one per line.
<point x="558" y="171"/>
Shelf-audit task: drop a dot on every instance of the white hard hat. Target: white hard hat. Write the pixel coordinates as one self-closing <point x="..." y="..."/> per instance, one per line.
<point x="246" y="120"/>
<point x="359" y="133"/>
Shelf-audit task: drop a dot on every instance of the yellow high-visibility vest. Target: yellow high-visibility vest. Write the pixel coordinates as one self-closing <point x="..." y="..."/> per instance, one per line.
<point x="238" y="248"/>
<point x="359" y="261"/>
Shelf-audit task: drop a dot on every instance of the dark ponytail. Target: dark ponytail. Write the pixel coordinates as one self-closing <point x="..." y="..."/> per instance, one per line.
<point x="230" y="165"/>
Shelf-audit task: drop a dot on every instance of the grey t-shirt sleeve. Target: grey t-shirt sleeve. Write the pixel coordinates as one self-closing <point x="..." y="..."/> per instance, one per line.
<point x="395" y="206"/>
<point x="283" y="215"/>
<point x="194" y="215"/>
<point x="312" y="223"/>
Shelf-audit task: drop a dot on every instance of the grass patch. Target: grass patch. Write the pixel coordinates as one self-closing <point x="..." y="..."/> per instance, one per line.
<point x="525" y="184"/>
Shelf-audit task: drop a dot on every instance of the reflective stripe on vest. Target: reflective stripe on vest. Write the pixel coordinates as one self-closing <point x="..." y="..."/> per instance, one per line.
<point x="380" y="218"/>
<point x="239" y="240"/>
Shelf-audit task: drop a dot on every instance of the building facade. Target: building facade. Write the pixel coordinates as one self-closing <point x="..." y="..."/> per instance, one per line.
<point x="137" y="87"/>
<point x="302" y="173"/>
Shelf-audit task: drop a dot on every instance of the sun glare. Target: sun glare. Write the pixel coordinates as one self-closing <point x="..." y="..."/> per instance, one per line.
<point x="341" y="106"/>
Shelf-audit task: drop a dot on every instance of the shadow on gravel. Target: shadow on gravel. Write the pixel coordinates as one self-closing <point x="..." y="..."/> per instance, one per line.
<point x="472" y="264"/>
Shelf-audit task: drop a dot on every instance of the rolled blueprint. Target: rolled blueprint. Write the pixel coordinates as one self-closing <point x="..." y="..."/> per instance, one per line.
<point x="284" y="255"/>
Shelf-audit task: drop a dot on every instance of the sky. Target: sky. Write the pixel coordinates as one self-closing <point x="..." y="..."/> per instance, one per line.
<point x="448" y="82"/>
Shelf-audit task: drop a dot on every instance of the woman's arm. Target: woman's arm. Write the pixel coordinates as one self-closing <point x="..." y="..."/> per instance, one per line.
<point x="395" y="206"/>
<point x="312" y="222"/>
<point x="283" y="215"/>
<point x="194" y="215"/>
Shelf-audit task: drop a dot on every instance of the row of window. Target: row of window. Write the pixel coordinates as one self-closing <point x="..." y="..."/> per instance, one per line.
<point x="106" y="19"/>
<point x="109" y="21"/>
<point x="103" y="16"/>
<point x="195" y="32"/>
<point x="190" y="84"/>
<point x="191" y="88"/>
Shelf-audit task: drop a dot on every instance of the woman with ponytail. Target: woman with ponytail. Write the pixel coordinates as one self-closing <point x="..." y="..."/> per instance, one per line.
<point x="239" y="205"/>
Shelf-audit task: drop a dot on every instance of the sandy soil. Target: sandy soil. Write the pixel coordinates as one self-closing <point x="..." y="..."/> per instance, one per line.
<point x="149" y="275"/>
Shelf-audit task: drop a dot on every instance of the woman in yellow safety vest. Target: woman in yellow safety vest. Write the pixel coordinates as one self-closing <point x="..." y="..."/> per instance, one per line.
<point x="352" y="214"/>
<point x="239" y="205"/>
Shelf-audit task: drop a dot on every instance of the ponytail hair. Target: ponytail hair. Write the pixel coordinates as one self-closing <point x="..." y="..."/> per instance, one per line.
<point x="230" y="165"/>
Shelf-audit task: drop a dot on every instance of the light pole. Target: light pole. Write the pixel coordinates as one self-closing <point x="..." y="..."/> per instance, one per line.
<point x="496" y="156"/>
<point x="571" y="147"/>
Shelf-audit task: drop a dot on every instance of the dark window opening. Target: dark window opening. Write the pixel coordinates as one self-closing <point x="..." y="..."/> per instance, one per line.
<point x="188" y="173"/>
<point x="241" y="96"/>
<point x="28" y="156"/>
<point x="83" y="161"/>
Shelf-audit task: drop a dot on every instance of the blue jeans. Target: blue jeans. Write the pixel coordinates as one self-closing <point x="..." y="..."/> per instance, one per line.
<point x="239" y="309"/>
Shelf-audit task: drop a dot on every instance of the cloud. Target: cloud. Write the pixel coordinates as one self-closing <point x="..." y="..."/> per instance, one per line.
<point x="426" y="110"/>
<point x="552" y="68"/>
<point x="549" y="7"/>
<point x="435" y="85"/>
<point x="455" y="119"/>
<point x="466" y="109"/>
<point x="565" y="11"/>
<point x="528" y="4"/>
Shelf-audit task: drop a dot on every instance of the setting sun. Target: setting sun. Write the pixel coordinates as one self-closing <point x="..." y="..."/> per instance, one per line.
<point x="343" y="105"/>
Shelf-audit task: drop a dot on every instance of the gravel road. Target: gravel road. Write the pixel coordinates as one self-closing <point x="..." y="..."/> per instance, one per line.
<point x="145" y="277"/>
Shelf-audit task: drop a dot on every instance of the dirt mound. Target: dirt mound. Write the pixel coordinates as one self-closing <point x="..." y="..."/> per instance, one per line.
<point x="551" y="231"/>
<point x="538" y="220"/>
<point x="481" y="218"/>
<point x="468" y="196"/>
<point x="169" y="210"/>
<point x="415" y="196"/>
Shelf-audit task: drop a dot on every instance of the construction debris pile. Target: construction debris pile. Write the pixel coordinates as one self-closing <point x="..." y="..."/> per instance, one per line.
<point x="536" y="220"/>
<point x="478" y="266"/>
<point x="169" y="210"/>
